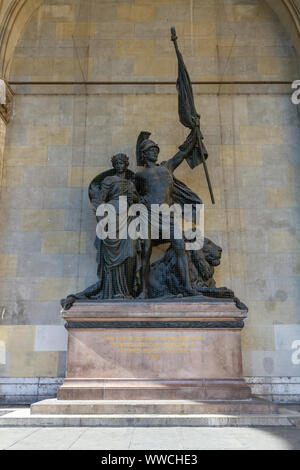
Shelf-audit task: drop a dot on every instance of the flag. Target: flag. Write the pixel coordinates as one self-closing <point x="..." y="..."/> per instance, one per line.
<point x="188" y="115"/>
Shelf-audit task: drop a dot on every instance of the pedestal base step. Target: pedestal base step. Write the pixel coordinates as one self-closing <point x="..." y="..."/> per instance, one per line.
<point x="150" y="407"/>
<point x="23" y="418"/>
<point x="129" y="390"/>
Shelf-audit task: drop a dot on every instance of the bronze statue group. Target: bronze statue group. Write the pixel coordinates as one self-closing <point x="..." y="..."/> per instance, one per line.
<point x="124" y="263"/>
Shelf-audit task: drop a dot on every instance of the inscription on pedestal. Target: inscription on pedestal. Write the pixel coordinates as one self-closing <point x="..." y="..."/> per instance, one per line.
<point x="152" y="345"/>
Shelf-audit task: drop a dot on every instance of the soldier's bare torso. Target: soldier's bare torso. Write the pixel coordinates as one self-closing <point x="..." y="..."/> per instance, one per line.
<point x="155" y="185"/>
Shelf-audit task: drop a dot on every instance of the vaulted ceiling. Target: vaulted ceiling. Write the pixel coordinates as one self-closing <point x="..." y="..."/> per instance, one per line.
<point x="14" y="14"/>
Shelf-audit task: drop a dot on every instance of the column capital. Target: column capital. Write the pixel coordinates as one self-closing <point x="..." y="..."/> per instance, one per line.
<point x="6" y="99"/>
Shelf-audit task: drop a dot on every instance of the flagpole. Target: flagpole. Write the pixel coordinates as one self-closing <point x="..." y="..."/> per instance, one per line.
<point x="206" y="170"/>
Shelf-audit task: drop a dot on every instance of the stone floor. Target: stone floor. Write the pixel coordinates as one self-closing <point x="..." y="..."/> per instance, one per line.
<point x="177" y="438"/>
<point x="150" y="438"/>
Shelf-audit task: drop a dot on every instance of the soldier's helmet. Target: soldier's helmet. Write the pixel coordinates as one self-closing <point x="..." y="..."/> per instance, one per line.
<point x="143" y="144"/>
<point x="148" y="144"/>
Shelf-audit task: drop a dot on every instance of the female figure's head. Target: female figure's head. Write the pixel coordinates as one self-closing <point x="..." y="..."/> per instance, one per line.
<point x="120" y="162"/>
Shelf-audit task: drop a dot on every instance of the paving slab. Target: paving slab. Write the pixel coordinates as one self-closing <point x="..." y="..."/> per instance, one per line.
<point x="177" y="438"/>
<point x="156" y="438"/>
<point x="279" y="438"/>
<point x="103" y="439"/>
<point x="48" y="438"/>
<point x="210" y="439"/>
<point x="10" y="436"/>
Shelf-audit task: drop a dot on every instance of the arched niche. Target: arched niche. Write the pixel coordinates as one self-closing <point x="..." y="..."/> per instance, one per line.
<point x="14" y="15"/>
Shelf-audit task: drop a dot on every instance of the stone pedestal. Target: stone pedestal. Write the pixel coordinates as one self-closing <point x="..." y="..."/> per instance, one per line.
<point x="155" y="354"/>
<point x="154" y="350"/>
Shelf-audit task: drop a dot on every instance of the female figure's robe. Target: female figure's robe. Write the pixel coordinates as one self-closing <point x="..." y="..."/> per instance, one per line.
<point x="119" y="260"/>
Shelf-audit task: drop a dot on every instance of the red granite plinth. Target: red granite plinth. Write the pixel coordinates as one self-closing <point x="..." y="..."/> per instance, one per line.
<point x="172" y="350"/>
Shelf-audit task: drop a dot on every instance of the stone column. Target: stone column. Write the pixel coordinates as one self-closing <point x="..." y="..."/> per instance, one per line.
<point x="5" y="112"/>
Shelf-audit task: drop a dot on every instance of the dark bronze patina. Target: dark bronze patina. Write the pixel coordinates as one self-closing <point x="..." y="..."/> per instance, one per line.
<point x="124" y="270"/>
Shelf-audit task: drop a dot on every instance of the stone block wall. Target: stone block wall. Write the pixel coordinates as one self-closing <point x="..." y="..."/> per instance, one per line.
<point x="60" y="137"/>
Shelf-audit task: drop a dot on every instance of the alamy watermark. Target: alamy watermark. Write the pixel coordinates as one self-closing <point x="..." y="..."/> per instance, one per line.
<point x="296" y="353"/>
<point x="296" y="95"/>
<point x="161" y="222"/>
<point x="2" y="353"/>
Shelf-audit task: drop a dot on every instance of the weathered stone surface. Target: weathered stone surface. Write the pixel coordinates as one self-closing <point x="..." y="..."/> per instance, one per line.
<point x="246" y="127"/>
<point x="141" y="350"/>
<point x="150" y="407"/>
